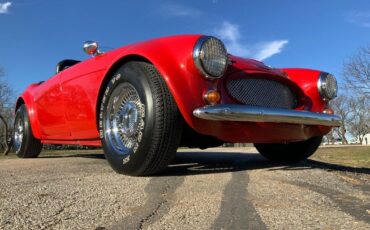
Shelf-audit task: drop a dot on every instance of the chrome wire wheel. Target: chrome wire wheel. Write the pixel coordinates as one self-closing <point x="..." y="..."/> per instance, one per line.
<point x="124" y="121"/>
<point x="25" y="144"/>
<point x="18" y="133"/>
<point x="139" y="122"/>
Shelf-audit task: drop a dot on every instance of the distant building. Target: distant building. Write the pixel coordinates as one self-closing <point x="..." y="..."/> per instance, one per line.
<point x="366" y="139"/>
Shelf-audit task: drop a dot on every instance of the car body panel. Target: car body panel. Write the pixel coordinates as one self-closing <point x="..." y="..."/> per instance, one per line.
<point x="50" y="109"/>
<point x="64" y="109"/>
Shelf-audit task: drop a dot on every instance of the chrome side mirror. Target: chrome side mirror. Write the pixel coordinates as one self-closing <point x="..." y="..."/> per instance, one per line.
<point x="91" y="48"/>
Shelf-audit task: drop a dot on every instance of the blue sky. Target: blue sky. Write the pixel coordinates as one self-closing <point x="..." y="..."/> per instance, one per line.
<point x="321" y="34"/>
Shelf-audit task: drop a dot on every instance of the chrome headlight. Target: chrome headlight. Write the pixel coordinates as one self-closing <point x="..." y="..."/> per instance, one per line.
<point x="327" y="86"/>
<point x="210" y="57"/>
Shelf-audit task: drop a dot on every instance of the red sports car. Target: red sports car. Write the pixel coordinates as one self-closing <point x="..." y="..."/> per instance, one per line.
<point x="142" y="101"/>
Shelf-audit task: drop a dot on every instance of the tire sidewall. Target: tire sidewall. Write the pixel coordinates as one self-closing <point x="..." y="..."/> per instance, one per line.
<point x="138" y="158"/>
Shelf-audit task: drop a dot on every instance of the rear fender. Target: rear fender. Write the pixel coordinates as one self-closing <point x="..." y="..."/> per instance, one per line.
<point x="28" y="99"/>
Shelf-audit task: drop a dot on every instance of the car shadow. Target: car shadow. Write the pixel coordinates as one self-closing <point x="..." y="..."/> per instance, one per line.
<point x="195" y="163"/>
<point x="82" y="155"/>
<point x="336" y="167"/>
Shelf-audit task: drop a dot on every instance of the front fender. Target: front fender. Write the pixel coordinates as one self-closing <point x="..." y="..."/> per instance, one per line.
<point x="173" y="58"/>
<point x="307" y="79"/>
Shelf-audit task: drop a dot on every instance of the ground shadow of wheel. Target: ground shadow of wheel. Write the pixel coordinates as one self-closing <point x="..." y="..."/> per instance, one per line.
<point x="194" y="163"/>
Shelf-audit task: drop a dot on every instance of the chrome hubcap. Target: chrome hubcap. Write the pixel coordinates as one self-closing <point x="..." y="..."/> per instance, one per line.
<point x="124" y="119"/>
<point x="18" y="133"/>
<point x="128" y="119"/>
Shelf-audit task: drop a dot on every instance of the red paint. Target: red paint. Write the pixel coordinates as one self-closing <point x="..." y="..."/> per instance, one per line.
<point x="63" y="109"/>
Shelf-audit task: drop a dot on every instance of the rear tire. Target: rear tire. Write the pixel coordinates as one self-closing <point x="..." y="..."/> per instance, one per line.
<point x="25" y="144"/>
<point x="140" y="124"/>
<point x="290" y="152"/>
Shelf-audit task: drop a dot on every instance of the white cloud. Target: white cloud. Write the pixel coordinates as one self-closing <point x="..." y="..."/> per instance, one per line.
<point x="228" y="31"/>
<point x="177" y="10"/>
<point x="359" y="18"/>
<point x="268" y="49"/>
<point x="230" y="34"/>
<point x="4" y="7"/>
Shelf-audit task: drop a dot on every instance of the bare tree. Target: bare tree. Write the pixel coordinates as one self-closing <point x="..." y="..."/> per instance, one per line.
<point x="5" y="112"/>
<point x="6" y="92"/>
<point x="360" y="116"/>
<point x="330" y="139"/>
<point x="340" y="105"/>
<point x="356" y="72"/>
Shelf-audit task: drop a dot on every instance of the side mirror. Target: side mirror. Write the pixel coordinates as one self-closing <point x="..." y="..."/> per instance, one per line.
<point x="91" y="48"/>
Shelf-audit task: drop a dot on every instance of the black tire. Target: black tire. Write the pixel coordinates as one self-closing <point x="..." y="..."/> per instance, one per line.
<point x="24" y="143"/>
<point x="141" y="100"/>
<point x="290" y="152"/>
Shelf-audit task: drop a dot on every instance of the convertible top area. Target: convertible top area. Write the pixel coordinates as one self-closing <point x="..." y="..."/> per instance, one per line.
<point x="64" y="64"/>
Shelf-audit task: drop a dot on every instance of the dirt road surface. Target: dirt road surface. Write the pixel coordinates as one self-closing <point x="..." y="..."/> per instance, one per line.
<point x="212" y="189"/>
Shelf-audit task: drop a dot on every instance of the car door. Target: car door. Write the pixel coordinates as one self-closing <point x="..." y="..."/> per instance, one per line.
<point x="50" y="110"/>
<point x="80" y="87"/>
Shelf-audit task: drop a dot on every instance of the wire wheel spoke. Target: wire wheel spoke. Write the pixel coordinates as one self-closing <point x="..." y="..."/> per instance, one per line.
<point x="18" y="133"/>
<point x="124" y="120"/>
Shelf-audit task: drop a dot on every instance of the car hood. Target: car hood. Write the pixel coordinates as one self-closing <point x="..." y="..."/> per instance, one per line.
<point x="251" y="66"/>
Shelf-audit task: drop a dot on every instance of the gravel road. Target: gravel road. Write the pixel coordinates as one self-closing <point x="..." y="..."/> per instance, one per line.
<point x="210" y="189"/>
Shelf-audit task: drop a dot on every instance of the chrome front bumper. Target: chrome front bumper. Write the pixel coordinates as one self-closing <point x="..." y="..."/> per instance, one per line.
<point x="232" y="112"/>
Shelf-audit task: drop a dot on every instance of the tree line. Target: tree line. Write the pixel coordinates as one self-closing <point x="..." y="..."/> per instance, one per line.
<point x="353" y="104"/>
<point x="6" y="104"/>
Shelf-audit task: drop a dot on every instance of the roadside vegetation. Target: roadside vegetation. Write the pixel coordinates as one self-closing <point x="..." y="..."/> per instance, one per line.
<point x="353" y="103"/>
<point x="353" y="156"/>
<point x="6" y="104"/>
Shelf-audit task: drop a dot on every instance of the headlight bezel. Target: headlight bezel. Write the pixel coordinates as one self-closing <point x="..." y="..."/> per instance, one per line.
<point x="198" y="55"/>
<point x="322" y="86"/>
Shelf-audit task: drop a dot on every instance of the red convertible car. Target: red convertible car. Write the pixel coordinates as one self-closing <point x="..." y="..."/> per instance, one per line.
<point x="142" y="101"/>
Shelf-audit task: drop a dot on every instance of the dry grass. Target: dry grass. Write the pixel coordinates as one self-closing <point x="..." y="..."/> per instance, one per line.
<point x="355" y="156"/>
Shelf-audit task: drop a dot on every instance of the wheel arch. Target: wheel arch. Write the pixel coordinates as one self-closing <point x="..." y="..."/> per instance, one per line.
<point x="27" y="100"/>
<point x="20" y="101"/>
<point x="173" y="59"/>
<point x="113" y="69"/>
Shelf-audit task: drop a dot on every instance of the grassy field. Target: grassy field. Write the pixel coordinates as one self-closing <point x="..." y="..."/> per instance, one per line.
<point x="355" y="156"/>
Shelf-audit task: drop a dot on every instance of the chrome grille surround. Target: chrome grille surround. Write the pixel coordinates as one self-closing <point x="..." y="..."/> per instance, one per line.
<point x="262" y="92"/>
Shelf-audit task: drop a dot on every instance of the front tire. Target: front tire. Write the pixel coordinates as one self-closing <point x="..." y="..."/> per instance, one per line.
<point x="289" y="152"/>
<point x="140" y="124"/>
<point x="25" y="144"/>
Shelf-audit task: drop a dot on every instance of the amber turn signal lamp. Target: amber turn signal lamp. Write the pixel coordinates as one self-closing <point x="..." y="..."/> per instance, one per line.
<point x="212" y="97"/>
<point x="328" y="111"/>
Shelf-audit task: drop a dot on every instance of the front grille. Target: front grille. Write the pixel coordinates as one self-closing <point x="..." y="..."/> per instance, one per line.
<point x="262" y="92"/>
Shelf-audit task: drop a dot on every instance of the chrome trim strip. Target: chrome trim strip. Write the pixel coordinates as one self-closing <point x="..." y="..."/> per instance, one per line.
<point x="197" y="53"/>
<point x="230" y="112"/>
<point x="321" y="85"/>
